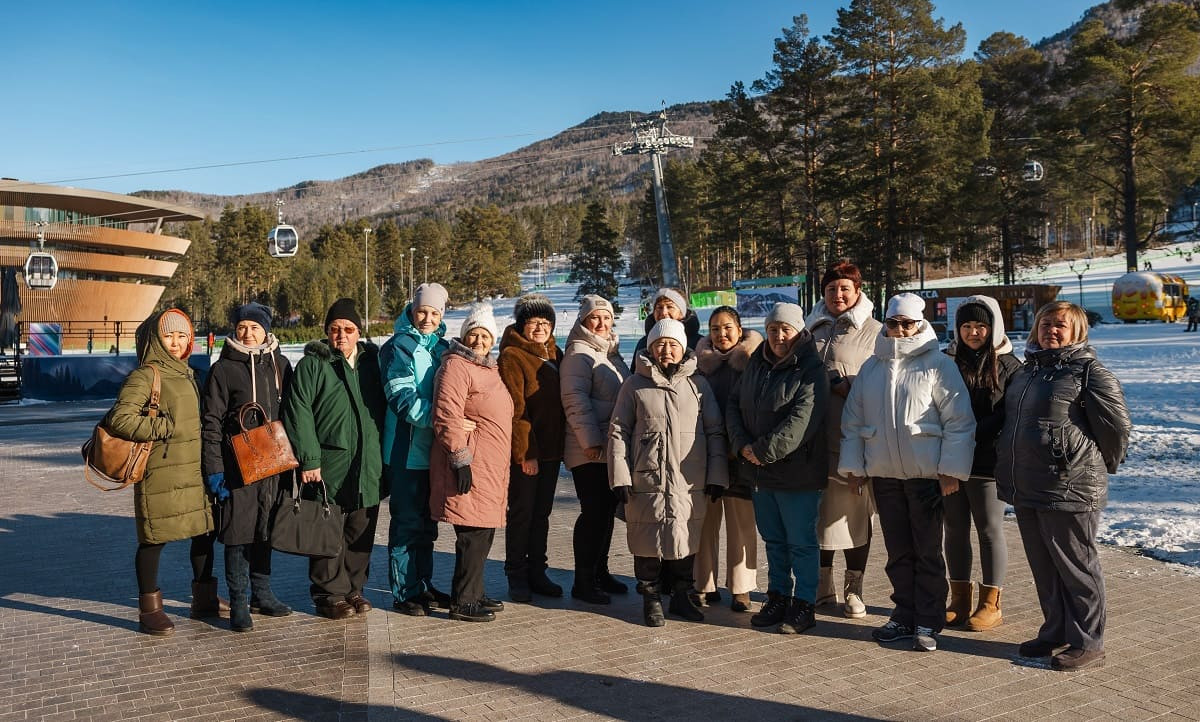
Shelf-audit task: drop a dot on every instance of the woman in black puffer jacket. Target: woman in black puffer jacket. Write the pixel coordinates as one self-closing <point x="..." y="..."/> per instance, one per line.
<point x="1066" y="428"/>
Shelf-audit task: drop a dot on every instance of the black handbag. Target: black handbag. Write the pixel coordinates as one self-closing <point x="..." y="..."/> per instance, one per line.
<point x="307" y="527"/>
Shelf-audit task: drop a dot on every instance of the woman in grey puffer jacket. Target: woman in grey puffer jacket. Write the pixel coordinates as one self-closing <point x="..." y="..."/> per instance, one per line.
<point x="1066" y="429"/>
<point x="591" y="375"/>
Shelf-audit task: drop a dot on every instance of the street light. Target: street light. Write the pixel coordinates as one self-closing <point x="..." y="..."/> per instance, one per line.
<point x="1087" y="263"/>
<point x="426" y="268"/>
<point x="412" y="254"/>
<point x="366" y="284"/>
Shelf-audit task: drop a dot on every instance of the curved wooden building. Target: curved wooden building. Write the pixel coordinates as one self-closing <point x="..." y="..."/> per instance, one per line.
<point x="113" y="258"/>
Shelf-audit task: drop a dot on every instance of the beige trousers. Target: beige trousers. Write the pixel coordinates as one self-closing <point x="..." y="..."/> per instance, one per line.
<point x="741" y="546"/>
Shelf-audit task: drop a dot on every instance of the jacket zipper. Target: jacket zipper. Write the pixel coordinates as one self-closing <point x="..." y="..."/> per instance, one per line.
<point x="1017" y="425"/>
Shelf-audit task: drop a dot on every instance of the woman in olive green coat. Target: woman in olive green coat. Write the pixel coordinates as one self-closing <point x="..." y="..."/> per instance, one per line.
<point x="170" y="502"/>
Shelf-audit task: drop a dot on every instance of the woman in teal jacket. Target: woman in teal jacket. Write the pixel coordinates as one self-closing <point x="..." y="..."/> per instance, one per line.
<point x="409" y="362"/>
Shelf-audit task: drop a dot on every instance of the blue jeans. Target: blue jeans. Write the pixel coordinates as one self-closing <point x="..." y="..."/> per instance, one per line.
<point x="787" y="522"/>
<point x="411" y="535"/>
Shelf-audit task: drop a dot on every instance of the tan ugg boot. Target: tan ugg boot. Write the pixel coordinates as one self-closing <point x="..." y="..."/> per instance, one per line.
<point x="987" y="614"/>
<point x="151" y="617"/>
<point x="826" y="591"/>
<point x="959" y="606"/>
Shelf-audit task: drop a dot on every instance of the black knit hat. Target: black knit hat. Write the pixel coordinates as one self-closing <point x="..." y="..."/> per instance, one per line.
<point x="976" y="312"/>
<point x="343" y="308"/>
<point x="255" y="312"/>
<point x="533" y="305"/>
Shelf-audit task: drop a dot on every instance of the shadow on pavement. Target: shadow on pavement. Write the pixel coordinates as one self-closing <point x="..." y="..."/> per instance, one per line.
<point x="617" y="697"/>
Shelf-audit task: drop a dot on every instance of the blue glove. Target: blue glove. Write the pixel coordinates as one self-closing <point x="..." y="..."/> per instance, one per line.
<point x="215" y="483"/>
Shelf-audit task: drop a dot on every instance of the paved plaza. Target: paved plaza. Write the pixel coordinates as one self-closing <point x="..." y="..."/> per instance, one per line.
<point x="70" y="650"/>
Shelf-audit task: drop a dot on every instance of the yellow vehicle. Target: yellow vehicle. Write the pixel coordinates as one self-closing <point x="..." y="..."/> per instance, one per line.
<point x="1149" y="296"/>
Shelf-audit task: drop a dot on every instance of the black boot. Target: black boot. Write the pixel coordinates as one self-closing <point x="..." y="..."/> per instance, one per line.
<point x="607" y="582"/>
<point x="772" y="612"/>
<point x="541" y="584"/>
<point x="682" y="606"/>
<point x="585" y="588"/>
<point x="799" y="617"/>
<point x="652" y="611"/>
<point x="237" y="577"/>
<point x="262" y="599"/>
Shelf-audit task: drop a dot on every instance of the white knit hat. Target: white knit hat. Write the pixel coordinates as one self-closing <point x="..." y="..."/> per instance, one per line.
<point x="788" y="313"/>
<point x="480" y="316"/>
<point x="909" y="305"/>
<point x="592" y="302"/>
<point x="667" y="328"/>
<point x="433" y="295"/>
<point x="675" y="296"/>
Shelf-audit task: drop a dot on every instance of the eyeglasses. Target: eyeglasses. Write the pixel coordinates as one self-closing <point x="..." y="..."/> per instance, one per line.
<point x="539" y="323"/>
<point x="906" y="324"/>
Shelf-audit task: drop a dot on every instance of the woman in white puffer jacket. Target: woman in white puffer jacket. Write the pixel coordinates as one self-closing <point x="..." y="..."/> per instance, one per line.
<point x="908" y="425"/>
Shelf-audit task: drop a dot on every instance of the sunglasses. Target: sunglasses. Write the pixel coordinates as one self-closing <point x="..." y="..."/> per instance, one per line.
<point x="906" y="324"/>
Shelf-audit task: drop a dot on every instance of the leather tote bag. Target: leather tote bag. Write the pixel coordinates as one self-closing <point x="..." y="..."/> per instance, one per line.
<point x="262" y="451"/>
<point x="306" y="527"/>
<point x="111" y="463"/>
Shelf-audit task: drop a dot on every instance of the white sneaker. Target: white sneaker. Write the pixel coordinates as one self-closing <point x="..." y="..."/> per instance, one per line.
<point x="924" y="640"/>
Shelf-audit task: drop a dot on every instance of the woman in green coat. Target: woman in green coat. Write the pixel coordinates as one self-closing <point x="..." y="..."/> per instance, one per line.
<point x="170" y="502"/>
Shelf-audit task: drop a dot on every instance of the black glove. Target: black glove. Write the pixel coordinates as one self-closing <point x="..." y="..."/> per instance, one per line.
<point x="464" y="478"/>
<point x="714" y="492"/>
<point x="622" y="494"/>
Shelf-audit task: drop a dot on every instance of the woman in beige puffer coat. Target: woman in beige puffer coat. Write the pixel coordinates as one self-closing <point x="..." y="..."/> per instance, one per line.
<point x="666" y="451"/>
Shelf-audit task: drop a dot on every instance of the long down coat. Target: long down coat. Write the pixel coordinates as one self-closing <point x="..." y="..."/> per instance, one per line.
<point x="667" y="442"/>
<point x="170" y="503"/>
<point x="591" y="376"/>
<point x="468" y="386"/>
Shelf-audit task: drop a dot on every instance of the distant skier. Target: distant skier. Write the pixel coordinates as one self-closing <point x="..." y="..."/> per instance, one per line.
<point x="1193" y="313"/>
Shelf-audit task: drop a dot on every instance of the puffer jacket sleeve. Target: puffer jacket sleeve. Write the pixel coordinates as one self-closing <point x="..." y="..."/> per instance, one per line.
<point x="735" y="427"/>
<point x="449" y="410"/>
<point x="620" y="437"/>
<point x="953" y="403"/>
<point x="398" y="369"/>
<point x="576" y="386"/>
<point x="717" y="472"/>
<point x="806" y="409"/>
<point x="214" y="404"/>
<point x="852" y="459"/>
<point x="126" y="420"/>
<point x="1107" y="414"/>
<point x="298" y="419"/>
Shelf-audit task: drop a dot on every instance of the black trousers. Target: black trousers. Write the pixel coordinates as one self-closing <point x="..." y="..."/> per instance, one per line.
<point x="335" y="579"/>
<point x="471" y="547"/>
<point x="530" y="501"/>
<point x="665" y="575"/>
<point x="594" y="527"/>
<point x="912" y="535"/>
<point x="1061" y="548"/>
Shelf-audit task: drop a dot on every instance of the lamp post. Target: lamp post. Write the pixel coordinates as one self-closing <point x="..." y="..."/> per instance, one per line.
<point x="1079" y="271"/>
<point x="366" y="284"/>
<point x="426" y="268"/>
<point x="412" y="254"/>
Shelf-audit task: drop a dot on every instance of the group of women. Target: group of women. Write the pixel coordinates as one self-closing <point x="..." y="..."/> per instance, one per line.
<point x="801" y="437"/>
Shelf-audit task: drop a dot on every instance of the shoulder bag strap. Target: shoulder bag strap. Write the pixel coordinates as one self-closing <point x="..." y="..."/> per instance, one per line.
<point x="155" y="393"/>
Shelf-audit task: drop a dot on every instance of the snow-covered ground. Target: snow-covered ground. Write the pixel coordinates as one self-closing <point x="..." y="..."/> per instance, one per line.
<point x="1154" y="500"/>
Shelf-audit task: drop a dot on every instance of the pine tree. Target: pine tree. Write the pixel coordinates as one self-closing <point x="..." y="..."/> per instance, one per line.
<point x="597" y="261"/>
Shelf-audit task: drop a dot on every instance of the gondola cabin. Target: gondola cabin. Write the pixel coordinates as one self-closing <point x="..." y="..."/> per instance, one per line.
<point x="1149" y="296"/>
<point x="282" y="241"/>
<point x="41" y="271"/>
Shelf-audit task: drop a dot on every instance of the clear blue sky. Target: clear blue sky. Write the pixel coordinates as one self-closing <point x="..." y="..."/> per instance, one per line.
<point x="107" y="88"/>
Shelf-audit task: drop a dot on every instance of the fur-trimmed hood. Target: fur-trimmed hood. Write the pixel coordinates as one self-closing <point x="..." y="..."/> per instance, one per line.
<point x="857" y="314"/>
<point x="709" y="358"/>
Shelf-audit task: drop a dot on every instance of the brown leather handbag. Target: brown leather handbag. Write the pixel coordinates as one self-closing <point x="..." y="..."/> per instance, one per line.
<point x="115" y="461"/>
<point x="262" y="451"/>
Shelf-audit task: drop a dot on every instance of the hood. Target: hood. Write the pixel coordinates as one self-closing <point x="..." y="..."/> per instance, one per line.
<point x="512" y="337"/>
<point x="607" y="346"/>
<point x="404" y="325"/>
<point x="237" y="351"/>
<point x="897" y="349"/>
<point x="1000" y="341"/>
<point x="709" y="359"/>
<point x="150" y="348"/>
<point x="803" y="345"/>
<point x="857" y="314"/>
<point x="458" y="348"/>
<point x="1043" y="358"/>
<point x="645" y="366"/>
